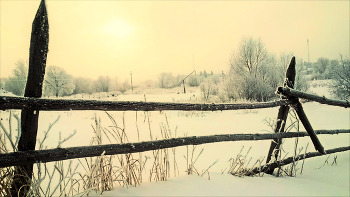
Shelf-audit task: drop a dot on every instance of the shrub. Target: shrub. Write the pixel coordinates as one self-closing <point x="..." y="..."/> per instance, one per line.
<point x="206" y="90"/>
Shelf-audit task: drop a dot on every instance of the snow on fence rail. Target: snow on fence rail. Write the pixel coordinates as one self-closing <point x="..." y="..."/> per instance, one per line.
<point x="8" y="102"/>
<point x="58" y="154"/>
<point x="321" y="99"/>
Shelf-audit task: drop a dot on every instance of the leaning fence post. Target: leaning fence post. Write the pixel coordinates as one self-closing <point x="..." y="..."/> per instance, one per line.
<point x="29" y="117"/>
<point x="282" y="115"/>
<point x="302" y="116"/>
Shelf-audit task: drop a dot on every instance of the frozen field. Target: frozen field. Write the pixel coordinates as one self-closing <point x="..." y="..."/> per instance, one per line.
<point x="330" y="180"/>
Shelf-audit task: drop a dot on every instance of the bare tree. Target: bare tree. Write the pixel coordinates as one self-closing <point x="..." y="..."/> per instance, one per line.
<point x="17" y="82"/>
<point x="58" y="82"/>
<point x="250" y="71"/>
<point x="83" y="85"/>
<point x="166" y="80"/>
<point x="125" y="86"/>
<point x="300" y="78"/>
<point x="194" y="80"/>
<point x="255" y="73"/>
<point x="103" y="84"/>
<point x="321" y="65"/>
<point x="250" y="56"/>
<point x="284" y="59"/>
<point x="115" y="84"/>
<point x="340" y="85"/>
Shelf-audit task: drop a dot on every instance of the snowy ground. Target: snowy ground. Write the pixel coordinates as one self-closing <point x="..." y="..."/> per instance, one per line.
<point x="326" y="181"/>
<point x="319" y="87"/>
<point x="330" y="180"/>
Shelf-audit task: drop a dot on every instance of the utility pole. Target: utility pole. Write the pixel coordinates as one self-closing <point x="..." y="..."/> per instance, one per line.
<point x="193" y="65"/>
<point x="308" y="52"/>
<point x="132" y="89"/>
<point x="183" y="82"/>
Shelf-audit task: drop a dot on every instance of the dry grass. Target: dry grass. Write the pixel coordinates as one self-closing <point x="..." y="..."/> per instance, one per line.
<point x="59" y="181"/>
<point x="239" y="164"/>
<point x="100" y="174"/>
<point x="191" y="160"/>
<point x="291" y="169"/>
<point x="160" y="170"/>
<point x="98" y="170"/>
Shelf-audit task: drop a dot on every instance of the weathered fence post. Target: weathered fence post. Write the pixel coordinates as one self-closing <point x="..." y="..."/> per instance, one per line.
<point x="302" y="116"/>
<point x="29" y="117"/>
<point x="282" y="115"/>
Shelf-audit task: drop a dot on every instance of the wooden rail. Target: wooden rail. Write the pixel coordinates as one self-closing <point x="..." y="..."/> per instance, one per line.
<point x="57" y="154"/>
<point x="269" y="166"/>
<point x="320" y="99"/>
<point x="8" y="102"/>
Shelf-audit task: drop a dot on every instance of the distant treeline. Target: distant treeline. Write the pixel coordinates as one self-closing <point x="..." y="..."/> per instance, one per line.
<point x="254" y="74"/>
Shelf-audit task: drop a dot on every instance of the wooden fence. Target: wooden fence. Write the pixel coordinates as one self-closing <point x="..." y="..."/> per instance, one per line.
<point x="31" y="104"/>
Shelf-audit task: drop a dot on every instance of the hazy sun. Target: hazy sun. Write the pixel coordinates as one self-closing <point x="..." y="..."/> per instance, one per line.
<point x="118" y="28"/>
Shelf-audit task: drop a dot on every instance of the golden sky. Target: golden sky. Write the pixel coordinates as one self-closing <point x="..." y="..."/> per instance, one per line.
<point x="92" y="38"/>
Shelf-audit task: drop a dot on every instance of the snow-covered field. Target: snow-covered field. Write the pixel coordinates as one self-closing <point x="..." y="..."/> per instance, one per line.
<point x="329" y="180"/>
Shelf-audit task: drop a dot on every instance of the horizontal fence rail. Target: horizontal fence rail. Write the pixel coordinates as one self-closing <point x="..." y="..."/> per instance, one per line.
<point x="9" y="102"/>
<point x="320" y="99"/>
<point x="289" y="160"/>
<point x="36" y="156"/>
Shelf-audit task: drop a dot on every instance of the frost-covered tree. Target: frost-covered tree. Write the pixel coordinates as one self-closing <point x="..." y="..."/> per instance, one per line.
<point x="321" y="65"/>
<point x="300" y="83"/>
<point x="57" y="82"/>
<point x="83" y="85"/>
<point x="166" y="80"/>
<point x="193" y="81"/>
<point x="103" y="84"/>
<point x="300" y="69"/>
<point x="125" y="86"/>
<point x="250" y="70"/>
<point x="255" y="73"/>
<point x="340" y="85"/>
<point x="17" y="82"/>
<point x="205" y="74"/>
<point x="250" y="57"/>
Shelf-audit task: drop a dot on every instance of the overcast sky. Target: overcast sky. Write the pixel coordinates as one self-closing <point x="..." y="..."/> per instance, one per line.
<point x="92" y="38"/>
